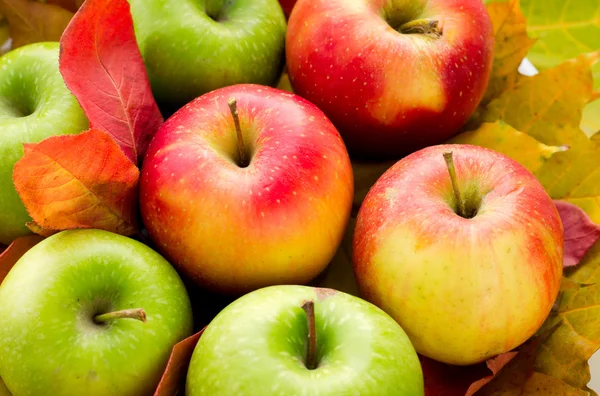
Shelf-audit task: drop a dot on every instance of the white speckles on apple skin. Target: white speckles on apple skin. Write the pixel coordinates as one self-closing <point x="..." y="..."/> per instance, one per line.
<point x="397" y="220"/>
<point x="191" y="54"/>
<point x="362" y="350"/>
<point x="29" y="76"/>
<point x="288" y="172"/>
<point x="313" y="48"/>
<point x="85" y="270"/>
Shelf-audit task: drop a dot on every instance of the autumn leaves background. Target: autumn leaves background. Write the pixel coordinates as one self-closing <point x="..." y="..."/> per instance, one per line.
<point x="547" y="122"/>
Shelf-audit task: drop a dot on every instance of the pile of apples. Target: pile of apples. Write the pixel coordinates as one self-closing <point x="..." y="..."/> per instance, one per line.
<point x="247" y="190"/>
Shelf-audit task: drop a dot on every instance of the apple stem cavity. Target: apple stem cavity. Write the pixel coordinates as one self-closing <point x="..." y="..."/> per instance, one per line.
<point x="311" y="355"/>
<point x="452" y="171"/>
<point x="243" y="160"/>
<point x="428" y="27"/>
<point x="135" y="313"/>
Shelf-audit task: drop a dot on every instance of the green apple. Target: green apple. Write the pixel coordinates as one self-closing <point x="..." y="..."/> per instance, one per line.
<point x="298" y="340"/>
<point x="191" y="47"/>
<point x="34" y="104"/>
<point x="68" y="311"/>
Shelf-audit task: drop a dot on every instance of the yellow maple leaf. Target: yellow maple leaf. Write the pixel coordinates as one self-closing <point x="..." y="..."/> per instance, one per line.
<point x="511" y="46"/>
<point x="565" y="352"/>
<point x="547" y="106"/>
<point x="574" y="176"/>
<point x="503" y="138"/>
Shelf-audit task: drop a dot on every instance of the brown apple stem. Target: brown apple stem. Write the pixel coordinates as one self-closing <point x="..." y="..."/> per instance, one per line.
<point x="429" y="27"/>
<point x="311" y="355"/>
<point x="452" y="171"/>
<point x="135" y="313"/>
<point x="238" y="130"/>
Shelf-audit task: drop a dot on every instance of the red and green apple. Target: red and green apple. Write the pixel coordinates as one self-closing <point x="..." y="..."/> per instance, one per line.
<point x="467" y="278"/>
<point x="239" y="207"/>
<point x="394" y="76"/>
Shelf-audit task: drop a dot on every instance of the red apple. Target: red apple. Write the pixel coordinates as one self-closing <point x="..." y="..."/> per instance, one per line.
<point x="234" y="227"/>
<point x="466" y="283"/>
<point x="395" y="75"/>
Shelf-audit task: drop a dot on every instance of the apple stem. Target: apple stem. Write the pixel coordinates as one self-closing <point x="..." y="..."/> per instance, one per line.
<point x="238" y="130"/>
<point x="135" y="313"/>
<point x="311" y="355"/>
<point x="429" y="27"/>
<point x="452" y="171"/>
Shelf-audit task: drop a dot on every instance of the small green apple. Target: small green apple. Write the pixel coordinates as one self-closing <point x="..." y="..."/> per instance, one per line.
<point x="67" y="317"/>
<point x="298" y="340"/>
<point x="191" y="47"/>
<point x="34" y="104"/>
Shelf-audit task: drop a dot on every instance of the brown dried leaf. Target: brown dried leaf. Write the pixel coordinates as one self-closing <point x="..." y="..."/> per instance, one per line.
<point x="71" y="5"/>
<point x="172" y="381"/>
<point x="494" y="365"/>
<point x="32" y="21"/>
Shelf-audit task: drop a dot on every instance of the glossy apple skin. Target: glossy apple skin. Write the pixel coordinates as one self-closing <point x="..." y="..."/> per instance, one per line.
<point x="34" y="104"/>
<point x="464" y="290"/>
<point x="233" y="229"/>
<point x="256" y="346"/>
<point x="191" y="47"/>
<point x="390" y="93"/>
<point x="49" y="343"/>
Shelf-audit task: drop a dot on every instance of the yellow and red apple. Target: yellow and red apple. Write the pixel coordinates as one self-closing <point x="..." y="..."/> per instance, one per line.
<point x="393" y="75"/>
<point x="467" y="286"/>
<point x="234" y="227"/>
